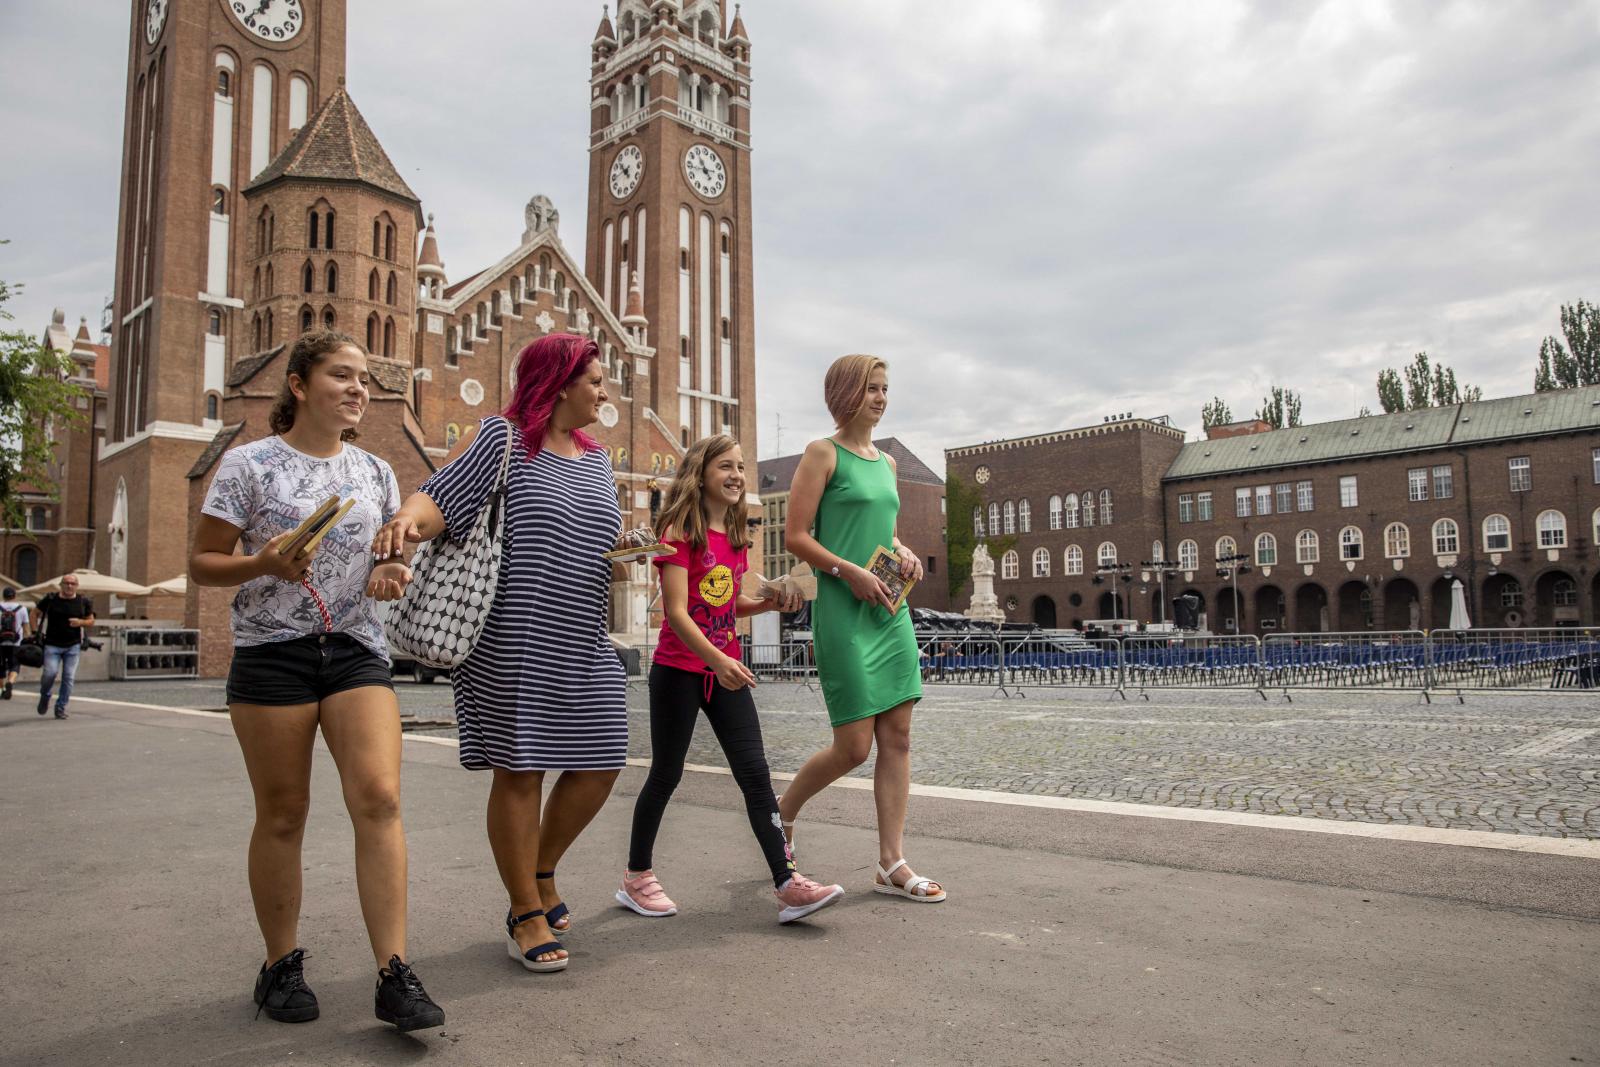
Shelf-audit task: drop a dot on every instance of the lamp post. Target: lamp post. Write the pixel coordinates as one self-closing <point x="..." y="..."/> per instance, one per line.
<point x="1230" y="567"/>
<point x="1114" y="571"/>
<point x="1163" y="570"/>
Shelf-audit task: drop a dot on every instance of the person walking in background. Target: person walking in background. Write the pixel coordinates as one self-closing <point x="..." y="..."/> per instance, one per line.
<point x="13" y="628"/>
<point x="542" y="690"/>
<point x="697" y="668"/>
<point x="309" y="652"/>
<point x="63" y="617"/>
<point x="867" y="662"/>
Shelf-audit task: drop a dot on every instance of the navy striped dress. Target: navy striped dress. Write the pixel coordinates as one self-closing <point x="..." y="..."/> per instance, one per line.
<point x="543" y="689"/>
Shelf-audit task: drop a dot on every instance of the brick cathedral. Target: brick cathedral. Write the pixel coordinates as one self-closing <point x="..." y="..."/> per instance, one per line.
<point x="256" y="201"/>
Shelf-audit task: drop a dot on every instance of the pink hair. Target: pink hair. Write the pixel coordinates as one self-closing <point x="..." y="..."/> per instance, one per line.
<point x="544" y="368"/>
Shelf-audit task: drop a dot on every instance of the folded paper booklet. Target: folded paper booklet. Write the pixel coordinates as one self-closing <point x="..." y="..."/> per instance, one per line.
<point x="886" y="565"/>
<point x="801" y="579"/>
<point x="638" y="544"/>
<point x="309" y="534"/>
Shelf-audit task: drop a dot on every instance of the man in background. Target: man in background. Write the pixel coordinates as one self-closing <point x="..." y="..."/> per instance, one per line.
<point x="13" y="627"/>
<point x="62" y="618"/>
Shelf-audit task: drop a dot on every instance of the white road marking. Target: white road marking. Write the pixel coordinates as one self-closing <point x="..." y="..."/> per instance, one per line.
<point x="1549" y="744"/>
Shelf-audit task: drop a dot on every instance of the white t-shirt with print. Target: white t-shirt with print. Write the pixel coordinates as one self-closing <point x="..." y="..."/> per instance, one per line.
<point x="267" y="488"/>
<point x="22" y="619"/>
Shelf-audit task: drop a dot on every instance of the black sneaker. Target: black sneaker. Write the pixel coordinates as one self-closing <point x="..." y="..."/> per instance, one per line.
<point x="59" y="714"/>
<point x="5" y="694"/>
<point x="401" y="1000"/>
<point x="282" y="993"/>
<point x="44" y="706"/>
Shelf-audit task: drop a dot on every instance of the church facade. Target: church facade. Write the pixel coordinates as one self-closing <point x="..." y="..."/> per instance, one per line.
<point x="256" y="202"/>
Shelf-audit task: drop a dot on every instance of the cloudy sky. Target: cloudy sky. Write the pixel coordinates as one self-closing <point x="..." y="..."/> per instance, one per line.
<point x="1041" y="213"/>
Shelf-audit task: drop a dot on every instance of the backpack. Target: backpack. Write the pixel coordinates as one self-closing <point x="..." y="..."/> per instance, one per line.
<point x="9" y="630"/>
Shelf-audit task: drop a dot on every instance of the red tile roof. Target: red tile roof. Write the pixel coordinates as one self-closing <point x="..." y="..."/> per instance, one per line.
<point x="336" y="144"/>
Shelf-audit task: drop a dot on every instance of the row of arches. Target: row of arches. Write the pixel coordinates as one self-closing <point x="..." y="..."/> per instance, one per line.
<point x="1069" y="512"/>
<point x="320" y="232"/>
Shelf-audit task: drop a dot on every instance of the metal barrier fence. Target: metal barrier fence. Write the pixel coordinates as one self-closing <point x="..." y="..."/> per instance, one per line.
<point x="1062" y="660"/>
<point x="1395" y="659"/>
<point x="1515" y="659"/>
<point x="789" y="661"/>
<point x="1212" y="662"/>
<point x="961" y="659"/>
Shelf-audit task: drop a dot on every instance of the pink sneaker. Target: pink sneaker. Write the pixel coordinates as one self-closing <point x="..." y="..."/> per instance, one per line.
<point x="644" y="894"/>
<point x="800" y="896"/>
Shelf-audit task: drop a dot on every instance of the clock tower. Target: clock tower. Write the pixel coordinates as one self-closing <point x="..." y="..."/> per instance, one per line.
<point x="669" y="204"/>
<point x="216" y="88"/>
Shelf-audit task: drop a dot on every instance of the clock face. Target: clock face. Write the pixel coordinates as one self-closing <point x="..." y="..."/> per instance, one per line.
<point x="269" y="20"/>
<point x="626" y="170"/>
<point x="155" y="18"/>
<point x="982" y="475"/>
<point x="703" y="167"/>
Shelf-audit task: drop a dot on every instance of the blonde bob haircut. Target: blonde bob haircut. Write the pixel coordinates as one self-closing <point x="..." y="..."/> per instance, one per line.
<point x="844" y="388"/>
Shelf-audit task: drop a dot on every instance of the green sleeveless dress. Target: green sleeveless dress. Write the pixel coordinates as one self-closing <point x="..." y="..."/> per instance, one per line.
<point x="866" y="660"/>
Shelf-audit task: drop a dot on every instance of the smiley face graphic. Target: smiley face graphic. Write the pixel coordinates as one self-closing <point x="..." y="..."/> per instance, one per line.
<point x="716" y="588"/>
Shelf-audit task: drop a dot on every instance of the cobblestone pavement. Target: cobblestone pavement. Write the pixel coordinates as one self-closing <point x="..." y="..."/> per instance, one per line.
<point x="1510" y="763"/>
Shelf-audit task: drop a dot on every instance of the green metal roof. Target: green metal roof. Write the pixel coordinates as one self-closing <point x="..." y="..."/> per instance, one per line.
<point x="1561" y="411"/>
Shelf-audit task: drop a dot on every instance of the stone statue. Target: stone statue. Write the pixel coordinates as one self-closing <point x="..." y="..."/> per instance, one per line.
<point x="540" y="215"/>
<point x="985" y="607"/>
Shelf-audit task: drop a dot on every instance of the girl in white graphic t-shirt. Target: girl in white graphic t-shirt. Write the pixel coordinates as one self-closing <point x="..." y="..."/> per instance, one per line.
<point x="309" y="652"/>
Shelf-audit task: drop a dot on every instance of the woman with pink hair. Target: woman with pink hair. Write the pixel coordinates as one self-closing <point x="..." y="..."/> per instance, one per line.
<point x="543" y="689"/>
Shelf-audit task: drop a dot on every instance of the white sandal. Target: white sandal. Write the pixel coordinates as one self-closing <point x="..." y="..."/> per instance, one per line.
<point x="915" y="889"/>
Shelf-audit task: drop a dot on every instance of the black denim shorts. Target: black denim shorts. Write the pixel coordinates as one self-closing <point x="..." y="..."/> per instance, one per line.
<point x="304" y="670"/>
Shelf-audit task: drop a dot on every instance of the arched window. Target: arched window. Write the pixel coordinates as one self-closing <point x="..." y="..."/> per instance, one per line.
<point x="372" y="285"/>
<point x="1069" y="511"/>
<point x="377" y="237"/>
<point x="255" y="284"/>
<point x="219" y="201"/>
<point x="308" y="278"/>
<point x="1158" y="553"/>
<point x="1087" y="503"/>
<point x="1074" y="560"/>
<point x="214" y="322"/>
<point x="388" y="243"/>
<point x="1594" y="527"/>
<point x="333" y="277"/>
<point x="1054" y="511"/>
<point x="1511" y="594"/>
<point x="1041" y="563"/>
<point x="977" y="522"/>
<point x="26" y="565"/>
<point x="1266" y="550"/>
<point x="392" y="292"/>
<point x="314" y="230"/>
<point x="271" y="333"/>
<point x="308" y="318"/>
<point x="1226" y="548"/>
<point x="530" y="278"/>
<point x="994" y="519"/>
<point x="1565" y="593"/>
<point x="372" y="332"/>
<point x="1008" y="564"/>
<point x="255" y="331"/>
<point x="327" y="228"/>
<point x="1105" y="507"/>
<point x="213" y="406"/>
<point x="1010" y="511"/>
<point x="1107" y="555"/>
<point x="262" y="248"/>
<point x="1350" y="543"/>
<point x="1024" y="516"/>
<point x="1396" y="540"/>
<point x="494" y="307"/>
<point x="1189" y="555"/>
<point x="483" y="319"/>
<point x="329" y="319"/>
<point x="1497" y="534"/>
<point x="452" y="350"/>
<point x="1307" y="547"/>
<point x="224" y="83"/>
<point x="1446" y="538"/>
<point x="388" y="338"/>
<point x="268" y="288"/>
<point x="1552" y="529"/>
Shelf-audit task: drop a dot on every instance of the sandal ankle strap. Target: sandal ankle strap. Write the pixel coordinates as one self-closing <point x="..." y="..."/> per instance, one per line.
<point x="514" y="921"/>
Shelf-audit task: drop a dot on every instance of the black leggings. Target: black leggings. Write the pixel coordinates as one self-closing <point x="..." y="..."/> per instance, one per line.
<point x="676" y="699"/>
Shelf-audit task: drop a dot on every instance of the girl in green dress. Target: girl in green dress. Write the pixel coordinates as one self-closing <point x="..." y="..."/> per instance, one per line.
<point x="842" y="507"/>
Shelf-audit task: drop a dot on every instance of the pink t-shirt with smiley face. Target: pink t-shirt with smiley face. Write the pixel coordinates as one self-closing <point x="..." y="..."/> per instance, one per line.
<point x="715" y="574"/>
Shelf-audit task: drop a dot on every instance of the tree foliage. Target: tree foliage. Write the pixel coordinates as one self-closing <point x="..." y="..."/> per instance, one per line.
<point x="1215" y="413"/>
<point x="1280" y="408"/>
<point x="34" y="396"/>
<point x="1426" y="385"/>
<point x="1578" y="361"/>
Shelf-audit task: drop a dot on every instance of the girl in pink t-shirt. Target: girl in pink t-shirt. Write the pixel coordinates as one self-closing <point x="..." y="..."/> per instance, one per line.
<point x="697" y="668"/>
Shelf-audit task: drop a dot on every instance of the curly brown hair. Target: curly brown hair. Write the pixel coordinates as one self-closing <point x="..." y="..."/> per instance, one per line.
<point x="306" y="354"/>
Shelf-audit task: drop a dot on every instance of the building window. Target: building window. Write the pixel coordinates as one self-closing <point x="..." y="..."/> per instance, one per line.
<point x="1594" y="524"/>
<point x="977" y="522"/>
<point x="1307" y="548"/>
<point x="1025" y="516"/>
<point x="1285" y="497"/>
<point x="1107" y="555"/>
<point x="1241" y="503"/>
<point x="1054" y="511"/>
<point x="388" y="243"/>
<point x="333" y="278"/>
<point x="1396" y="540"/>
<point x="1266" y="550"/>
<point x="1497" y="534"/>
<point x="1511" y="594"/>
<point x="1188" y="555"/>
<point x="1227" y="548"/>
<point x="1074" y="560"/>
<point x="1185" y="507"/>
<point x="327" y="230"/>
<point x="1302" y="495"/>
<point x="37" y="518"/>
<point x="308" y="318"/>
<point x="224" y="83"/>
<point x="1041" y="563"/>
<point x="1565" y="593"/>
<point x="388" y="339"/>
<point x="214" y="322"/>
<point x="27" y="565"/>
<point x="1552" y="529"/>
<point x="1069" y="511"/>
<point x="1086" y="501"/>
<point x="308" y="278"/>
<point x="219" y="202"/>
<point x="1444" y="486"/>
<point x="1348" y="498"/>
<point x="1521" y="474"/>
<point x="328" y="317"/>
<point x="372" y="333"/>
<point x="1417" y="483"/>
<point x="1105" y="507"/>
<point x="1446" y="538"/>
<point x="372" y="286"/>
<point x="994" y="519"/>
<point x="314" y="230"/>
<point x="1594" y="458"/>
<point x="1008" y="564"/>
<point x="1350" y="543"/>
<point x="1202" y="507"/>
<point x="1157" y="553"/>
<point x="1263" y="500"/>
<point x="1010" y="512"/>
